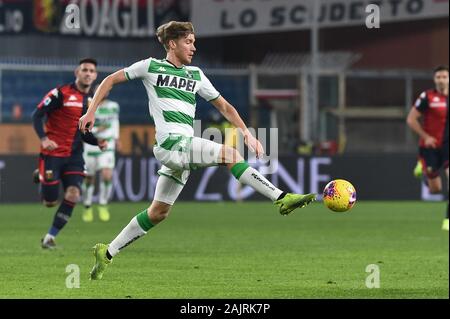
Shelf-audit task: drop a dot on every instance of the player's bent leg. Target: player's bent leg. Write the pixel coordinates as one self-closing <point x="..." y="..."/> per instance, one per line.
<point x="88" y="192"/>
<point x="49" y="190"/>
<point x="105" y="193"/>
<point x="158" y="211"/>
<point x="88" y="186"/>
<point x="49" y="193"/>
<point x="230" y="156"/>
<point x="250" y="176"/>
<point x="167" y="191"/>
<point x="103" y="253"/>
<point x="62" y="216"/>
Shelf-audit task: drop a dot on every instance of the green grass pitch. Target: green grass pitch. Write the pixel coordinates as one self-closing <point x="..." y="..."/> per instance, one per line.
<point x="234" y="250"/>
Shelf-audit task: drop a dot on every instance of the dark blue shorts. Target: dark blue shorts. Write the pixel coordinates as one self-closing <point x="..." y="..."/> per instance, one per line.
<point x="53" y="171"/>
<point x="433" y="160"/>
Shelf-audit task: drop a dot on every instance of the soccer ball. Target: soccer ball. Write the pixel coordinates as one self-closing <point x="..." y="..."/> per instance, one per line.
<point x="339" y="195"/>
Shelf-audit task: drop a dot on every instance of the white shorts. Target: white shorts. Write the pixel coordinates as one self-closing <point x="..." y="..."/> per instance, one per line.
<point x="179" y="155"/>
<point x="95" y="163"/>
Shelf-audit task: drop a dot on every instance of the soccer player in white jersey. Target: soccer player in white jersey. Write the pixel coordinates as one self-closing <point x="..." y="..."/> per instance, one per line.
<point x="171" y="87"/>
<point x="106" y="127"/>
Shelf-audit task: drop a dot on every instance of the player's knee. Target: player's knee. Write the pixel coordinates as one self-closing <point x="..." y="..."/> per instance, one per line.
<point x="107" y="175"/>
<point x="50" y="204"/>
<point x="232" y="155"/>
<point x="72" y="194"/>
<point x="238" y="157"/>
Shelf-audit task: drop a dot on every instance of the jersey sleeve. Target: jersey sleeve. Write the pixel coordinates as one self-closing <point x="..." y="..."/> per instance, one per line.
<point x="137" y="70"/>
<point x="51" y="101"/>
<point x="207" y="90"/>
<point x="89" y="138"/>
<point x="421" y="104"/>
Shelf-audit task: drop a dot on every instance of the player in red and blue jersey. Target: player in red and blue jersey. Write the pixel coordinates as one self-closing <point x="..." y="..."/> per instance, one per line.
<point x="432" y="108"/>
<point x="55" y="121"/>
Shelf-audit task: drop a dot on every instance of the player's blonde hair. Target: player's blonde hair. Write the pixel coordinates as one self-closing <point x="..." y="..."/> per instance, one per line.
<point x="173" y="30"/>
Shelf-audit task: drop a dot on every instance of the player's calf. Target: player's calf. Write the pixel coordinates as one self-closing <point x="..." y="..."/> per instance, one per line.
<point x="87" y="194"/>
<point x="136" y="228"/>
<point x="166" y="193"/>
<point x="62" y="216"/>
<point x="158" y="211"/>
<point x="246" y="174"/>
<point x="50" y="193"/>
<point x="63" y="213"/>
<point x="105" y="186"/>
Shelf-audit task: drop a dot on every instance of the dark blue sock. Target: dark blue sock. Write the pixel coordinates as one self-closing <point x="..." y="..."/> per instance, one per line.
<point x="61" y="217"/>
<point x="447" y="212"/>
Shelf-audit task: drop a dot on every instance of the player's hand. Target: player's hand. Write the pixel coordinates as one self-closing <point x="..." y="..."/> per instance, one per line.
<point x="48" y="144"/>
<point x="103" y="145"/>
<point x="430" y="142"/>
<point x="254" y="145"/>
<point x="86" y="122"/>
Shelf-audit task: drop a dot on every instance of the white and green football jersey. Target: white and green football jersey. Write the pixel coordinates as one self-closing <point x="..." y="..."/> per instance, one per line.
<point x="106" y="127"/>
<point x="171" y="92"/>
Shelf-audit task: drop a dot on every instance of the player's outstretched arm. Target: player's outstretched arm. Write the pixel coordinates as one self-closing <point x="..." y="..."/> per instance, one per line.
<point x="230" y="113"/>
<point x="86" y="122"/>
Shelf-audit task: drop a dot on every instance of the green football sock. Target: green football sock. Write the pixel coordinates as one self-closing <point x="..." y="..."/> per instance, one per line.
<point x="138" y="227"/>
<point x="250" y="176"/>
